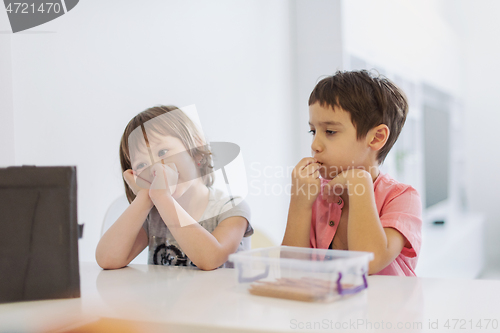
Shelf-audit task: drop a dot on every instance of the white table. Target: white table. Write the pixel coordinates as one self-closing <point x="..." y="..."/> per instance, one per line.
<point x="174" y="299"/>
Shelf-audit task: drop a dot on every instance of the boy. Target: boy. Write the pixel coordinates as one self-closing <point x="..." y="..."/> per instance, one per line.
<point x="355" y="119"/>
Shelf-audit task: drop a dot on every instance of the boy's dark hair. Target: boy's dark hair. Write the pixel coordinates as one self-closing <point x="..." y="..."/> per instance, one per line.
<point x="371" y="101"/>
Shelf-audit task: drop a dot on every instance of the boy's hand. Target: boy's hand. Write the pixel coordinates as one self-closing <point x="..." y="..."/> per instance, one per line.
<point x="345" y="181"/>
<point x="306" y="184"/>
<point x="128" y="175"/>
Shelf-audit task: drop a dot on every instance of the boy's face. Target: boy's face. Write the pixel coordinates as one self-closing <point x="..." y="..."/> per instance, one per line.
<point x="334" y="141"/>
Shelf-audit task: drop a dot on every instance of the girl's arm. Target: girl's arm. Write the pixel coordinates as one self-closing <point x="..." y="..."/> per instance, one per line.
<point x="206" y="250"/>
<point x="126" y="238"/>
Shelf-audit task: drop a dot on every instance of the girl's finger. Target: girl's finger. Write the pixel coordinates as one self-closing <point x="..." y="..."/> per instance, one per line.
<point x="127" y="175"/>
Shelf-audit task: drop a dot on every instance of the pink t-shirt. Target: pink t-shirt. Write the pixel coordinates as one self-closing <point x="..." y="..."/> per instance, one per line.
<point x="399" y="207"/>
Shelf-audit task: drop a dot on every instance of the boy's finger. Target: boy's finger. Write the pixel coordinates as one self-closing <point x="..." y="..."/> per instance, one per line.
<point x="316" y="173"/>
<point x="309" y="169"/>
<point x="305" y="161"/>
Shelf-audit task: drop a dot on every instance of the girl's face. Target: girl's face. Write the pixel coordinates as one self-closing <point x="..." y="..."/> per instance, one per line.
<point x="165" y="149"/>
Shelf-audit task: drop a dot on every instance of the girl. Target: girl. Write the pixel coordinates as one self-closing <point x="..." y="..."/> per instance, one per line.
<point x="167" y="172"/>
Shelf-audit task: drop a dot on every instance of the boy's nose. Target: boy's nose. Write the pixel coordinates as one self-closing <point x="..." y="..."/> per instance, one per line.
<point x="316" y="145"/>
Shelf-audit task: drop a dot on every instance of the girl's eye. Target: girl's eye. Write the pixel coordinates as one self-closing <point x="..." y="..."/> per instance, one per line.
<point x="140" y="166"/>
<point x="330" y="132"/>
<point x="162" y="152"/>
<point x="312" y="132"/>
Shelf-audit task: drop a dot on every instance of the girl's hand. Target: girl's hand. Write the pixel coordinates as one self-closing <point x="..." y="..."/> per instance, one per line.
<point x="306" y="184"/>
<point x="164" y="180"/>
<point x="128" y="175"/>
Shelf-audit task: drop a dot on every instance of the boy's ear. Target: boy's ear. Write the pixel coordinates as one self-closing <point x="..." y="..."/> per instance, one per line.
<point x="378" y="136"/>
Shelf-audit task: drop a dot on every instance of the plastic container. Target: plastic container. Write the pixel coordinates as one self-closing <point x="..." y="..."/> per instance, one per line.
<point x="304" y="274"/>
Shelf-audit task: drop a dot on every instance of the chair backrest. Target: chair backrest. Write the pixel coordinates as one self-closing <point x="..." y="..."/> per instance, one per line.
<point x="247" y="243"/>
<point x="114" y="211"/>
<point x="260" y="239"/>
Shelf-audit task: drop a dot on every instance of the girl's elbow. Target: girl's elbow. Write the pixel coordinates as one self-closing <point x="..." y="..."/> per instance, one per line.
<point x="107" y="266"/>
<point x="106" y="263"/>
<point x="207" y="265"/>
<point x="102" y="263"/>
<point x="211" y="263"/>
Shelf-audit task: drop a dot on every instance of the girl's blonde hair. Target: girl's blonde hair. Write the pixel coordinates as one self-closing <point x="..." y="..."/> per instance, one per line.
<point x="179" y="125"/>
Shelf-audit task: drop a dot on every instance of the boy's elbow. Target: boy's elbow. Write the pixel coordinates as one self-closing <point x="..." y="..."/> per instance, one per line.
<point x="378" y="263"/>
<point x="373" y="268"/>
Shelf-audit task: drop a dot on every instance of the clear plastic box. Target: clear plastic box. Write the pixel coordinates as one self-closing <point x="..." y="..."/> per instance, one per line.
<point x="304" y="274"/>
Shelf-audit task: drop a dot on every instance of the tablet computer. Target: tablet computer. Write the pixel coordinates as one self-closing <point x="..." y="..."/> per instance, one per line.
<point x="38" y="233"/>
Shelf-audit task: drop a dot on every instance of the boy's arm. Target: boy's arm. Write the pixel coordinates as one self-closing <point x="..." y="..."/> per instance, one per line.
<point x="305" y="188"/>
<point x="126" y="238"/>
<point x="364" y="229"/>
<point x="298" y="225"/>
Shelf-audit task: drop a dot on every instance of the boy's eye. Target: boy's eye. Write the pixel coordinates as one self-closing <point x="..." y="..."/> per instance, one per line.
<point x="313" y="132"/>
<point x="162" y="152"/>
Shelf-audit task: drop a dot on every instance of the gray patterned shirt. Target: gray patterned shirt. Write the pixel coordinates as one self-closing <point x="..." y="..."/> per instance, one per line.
<point x="164" y="249"/>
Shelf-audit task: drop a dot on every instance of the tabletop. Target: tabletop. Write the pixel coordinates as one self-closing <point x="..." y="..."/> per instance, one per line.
<point x="174" y="299"/>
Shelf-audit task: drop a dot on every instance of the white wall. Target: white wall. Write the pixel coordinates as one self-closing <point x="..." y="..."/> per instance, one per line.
<point x="405" y="37"/>
<point x="391" y="37"/>
<point x="79" y="80"/>
<point x="7" y="156"/>
<point x="69" y="86"/>
<point x="319" y="52"/>
<point x="452" y="46"/>
<point x="481" y="49"/>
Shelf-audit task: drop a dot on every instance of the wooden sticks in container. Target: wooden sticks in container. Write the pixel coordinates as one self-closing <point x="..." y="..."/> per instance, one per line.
<point x="304" y="289"/>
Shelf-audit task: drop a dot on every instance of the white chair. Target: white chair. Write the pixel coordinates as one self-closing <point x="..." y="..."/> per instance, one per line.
<point x="114" y="211"/>
<point x="260" y="239"/>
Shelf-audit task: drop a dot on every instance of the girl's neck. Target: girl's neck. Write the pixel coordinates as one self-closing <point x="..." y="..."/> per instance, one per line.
<point x="195" y="199"/>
